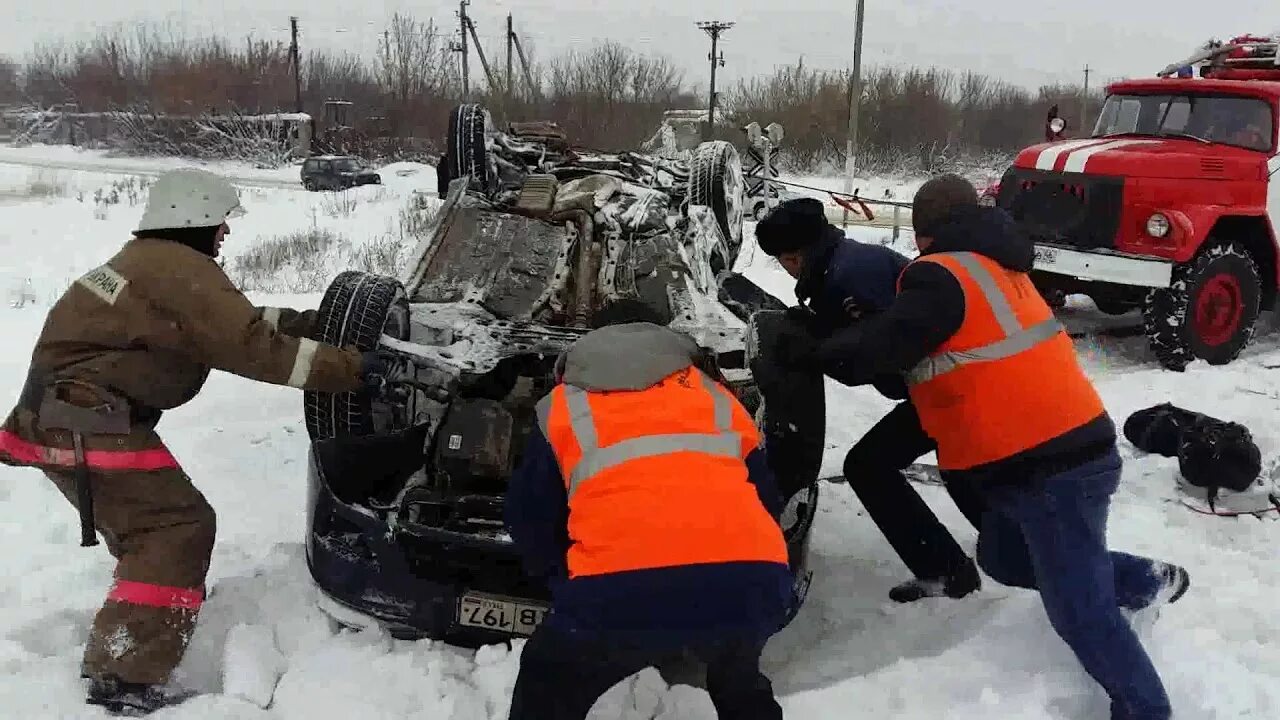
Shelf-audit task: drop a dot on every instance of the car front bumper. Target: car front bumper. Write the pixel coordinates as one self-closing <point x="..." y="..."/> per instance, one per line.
<point x="1109" y="267"/>
<point x="413" y="587"/>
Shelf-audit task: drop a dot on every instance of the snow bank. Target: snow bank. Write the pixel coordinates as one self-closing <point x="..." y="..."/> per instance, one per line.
<point x="850" y="653"/>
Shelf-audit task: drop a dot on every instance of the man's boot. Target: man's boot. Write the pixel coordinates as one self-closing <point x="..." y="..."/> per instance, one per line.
<point x="957" y="586"/>
<point x="131" y="699"/>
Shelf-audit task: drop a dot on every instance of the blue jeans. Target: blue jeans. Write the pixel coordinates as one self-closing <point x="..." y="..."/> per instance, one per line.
<point x="1050" y="534"/>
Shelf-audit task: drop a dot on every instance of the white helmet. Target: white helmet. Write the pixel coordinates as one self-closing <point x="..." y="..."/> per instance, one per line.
<point x="189" y="198"/>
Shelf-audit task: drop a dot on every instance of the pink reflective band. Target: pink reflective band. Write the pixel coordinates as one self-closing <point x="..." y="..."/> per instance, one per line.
<point x="24" y="451"/>
<point x="160" y="596"/>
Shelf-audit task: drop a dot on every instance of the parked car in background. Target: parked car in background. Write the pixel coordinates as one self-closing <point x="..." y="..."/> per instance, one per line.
<point x="337" y="172"/>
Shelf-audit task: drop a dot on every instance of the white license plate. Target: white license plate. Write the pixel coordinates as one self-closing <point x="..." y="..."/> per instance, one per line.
<point x="1045" y="255"/>
<point x="494" y="613"/>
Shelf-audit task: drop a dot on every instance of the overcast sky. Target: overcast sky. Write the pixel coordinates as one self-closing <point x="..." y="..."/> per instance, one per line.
<point x="1024" y="41"/>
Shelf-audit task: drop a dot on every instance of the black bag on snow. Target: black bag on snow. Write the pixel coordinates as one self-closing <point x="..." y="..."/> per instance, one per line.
<point x="1213" y="454"/>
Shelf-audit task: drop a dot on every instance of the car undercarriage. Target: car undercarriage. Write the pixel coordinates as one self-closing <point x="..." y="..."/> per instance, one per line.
<point x="533" y="246"/>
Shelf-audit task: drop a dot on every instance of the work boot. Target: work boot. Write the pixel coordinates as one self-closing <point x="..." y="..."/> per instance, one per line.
<point x="955" y="587"/>
<point x="131" y="699"/>
<point x="1176" y="582"/>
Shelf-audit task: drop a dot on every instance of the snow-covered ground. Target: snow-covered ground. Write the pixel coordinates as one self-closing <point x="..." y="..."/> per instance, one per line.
<point x="850" y="654"/>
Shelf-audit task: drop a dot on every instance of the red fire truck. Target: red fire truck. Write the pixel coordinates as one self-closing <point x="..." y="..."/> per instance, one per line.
<point x="1168" y="208"/>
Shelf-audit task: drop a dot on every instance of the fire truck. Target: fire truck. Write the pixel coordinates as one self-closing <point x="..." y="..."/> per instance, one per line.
<point x="1169" y="208"/>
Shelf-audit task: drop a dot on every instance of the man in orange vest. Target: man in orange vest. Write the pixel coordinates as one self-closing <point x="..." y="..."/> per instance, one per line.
<point x="997" y="385"/>
<point x="644" y="500"/>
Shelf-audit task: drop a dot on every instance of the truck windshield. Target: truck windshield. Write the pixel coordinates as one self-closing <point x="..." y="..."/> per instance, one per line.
<point x="1241" y="121"/>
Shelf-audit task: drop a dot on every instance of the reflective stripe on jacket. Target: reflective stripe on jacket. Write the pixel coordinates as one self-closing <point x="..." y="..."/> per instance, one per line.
<point x="1008" y="380"/>
<point x="656" y="477"/>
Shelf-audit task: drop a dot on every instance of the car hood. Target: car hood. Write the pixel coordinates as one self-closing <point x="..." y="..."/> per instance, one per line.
<point x="1148" y="157"/>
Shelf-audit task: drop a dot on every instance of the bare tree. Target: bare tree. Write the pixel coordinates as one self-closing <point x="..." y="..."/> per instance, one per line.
<point x="411" y="67"/>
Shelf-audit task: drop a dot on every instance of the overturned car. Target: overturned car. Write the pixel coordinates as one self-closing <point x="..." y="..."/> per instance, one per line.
<point x="406" y="489"/>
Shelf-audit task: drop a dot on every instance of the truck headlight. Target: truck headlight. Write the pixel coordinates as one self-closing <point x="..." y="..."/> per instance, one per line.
<point x="1158" y="226"/>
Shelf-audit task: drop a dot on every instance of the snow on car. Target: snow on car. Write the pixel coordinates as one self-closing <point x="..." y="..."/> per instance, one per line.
<point x="535" y="244"/>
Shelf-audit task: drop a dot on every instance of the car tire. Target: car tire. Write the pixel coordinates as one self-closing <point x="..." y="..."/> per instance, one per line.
<point x="468" y="153"/>
<point x="716" y="181"/>
<point x="357" y="309"/>
<point x="1210" y="310"/>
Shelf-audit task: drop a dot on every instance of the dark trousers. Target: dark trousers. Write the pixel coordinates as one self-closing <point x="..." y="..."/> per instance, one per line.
<point x="873" y="469"/>
<point x="1050" y="535"/>
<point x="562" y="674"/>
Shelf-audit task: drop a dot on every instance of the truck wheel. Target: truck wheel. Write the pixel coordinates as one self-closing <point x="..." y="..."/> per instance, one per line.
<point x="357" y="309"/>
<point x="468" y="153"/>
<point x="715" y="180"/>
<point x="1209" y="311"/>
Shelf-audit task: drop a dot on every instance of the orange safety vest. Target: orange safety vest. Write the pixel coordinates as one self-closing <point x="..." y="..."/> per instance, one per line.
<point x="656" y="477"/>
<point x="1008" y="379"/>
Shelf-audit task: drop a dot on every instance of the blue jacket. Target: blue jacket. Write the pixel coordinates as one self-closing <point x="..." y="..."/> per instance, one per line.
<point x="846" y="281"/>
<point x="661" y="609"/>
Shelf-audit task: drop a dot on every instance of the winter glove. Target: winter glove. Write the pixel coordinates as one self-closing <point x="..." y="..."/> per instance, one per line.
<point x="374" y="367"/>
<point x="801" y="316"/>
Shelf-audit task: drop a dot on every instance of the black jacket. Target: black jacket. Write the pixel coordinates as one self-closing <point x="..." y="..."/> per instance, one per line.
<point x="929" y="309"/>
<point x="845" y="281"/>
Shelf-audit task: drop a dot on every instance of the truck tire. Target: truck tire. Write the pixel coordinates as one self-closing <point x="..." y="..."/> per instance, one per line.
<point x="715" y="180"/>
<point x="1210" y="310"/>
<point x="467" y="153"/>
<point x="357" y="309"/>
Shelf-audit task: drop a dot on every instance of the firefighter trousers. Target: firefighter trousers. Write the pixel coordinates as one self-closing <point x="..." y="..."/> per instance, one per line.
<point x="160" y="530"/>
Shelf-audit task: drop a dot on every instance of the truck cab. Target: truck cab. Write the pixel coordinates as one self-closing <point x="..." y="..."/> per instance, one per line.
<point x="1168" y="207"/>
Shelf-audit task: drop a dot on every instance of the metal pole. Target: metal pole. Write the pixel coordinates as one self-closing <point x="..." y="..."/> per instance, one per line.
<point x="509" y="77"/>
<point x="855" y="102"/>
<point x="466" y="73"/>
<point x="1084" y="100"/>
<point x="713" y="29"/>
<point x="711" y="104"/>
<point x="297" y="69"/>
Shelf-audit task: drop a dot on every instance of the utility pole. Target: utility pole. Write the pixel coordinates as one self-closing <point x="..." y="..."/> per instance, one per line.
<point x="714" y="29"/>
<point x="466" y="73"/>
<point x="297" y="65"/>
<point x="509" y="78"/>
<point x="855" y="103"/>
<point x="1084" y="99"/>
<point x="534" y="93"/>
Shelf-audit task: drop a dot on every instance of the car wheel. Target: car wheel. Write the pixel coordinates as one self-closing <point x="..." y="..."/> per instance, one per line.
<point x="468" y="154"/>
<point x="715" y="180"/>
<point x="1209" y="311"/>
<point x="357" y="309"/>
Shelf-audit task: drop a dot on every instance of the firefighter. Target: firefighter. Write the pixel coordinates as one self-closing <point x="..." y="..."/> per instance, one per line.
<point x="128" y="340"/>
<point x="998" y="386"/>
<point x="644" y="500"/>
<point x="839" y="283"/>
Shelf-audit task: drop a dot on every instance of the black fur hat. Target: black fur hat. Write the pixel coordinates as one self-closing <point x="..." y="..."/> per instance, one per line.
<point x="792" y="226"/>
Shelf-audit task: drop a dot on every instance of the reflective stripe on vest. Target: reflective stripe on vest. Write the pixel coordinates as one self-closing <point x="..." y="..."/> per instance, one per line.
<point x="595" y="459"/>
<point x="1017" y="339"/>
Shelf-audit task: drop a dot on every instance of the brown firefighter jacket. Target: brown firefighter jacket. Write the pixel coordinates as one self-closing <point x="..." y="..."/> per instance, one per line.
<point x="147" y="327"/>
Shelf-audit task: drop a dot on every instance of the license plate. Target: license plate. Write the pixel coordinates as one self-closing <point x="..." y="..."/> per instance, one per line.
<point x="499" y="614"/>
<point x="1045" y="255"/>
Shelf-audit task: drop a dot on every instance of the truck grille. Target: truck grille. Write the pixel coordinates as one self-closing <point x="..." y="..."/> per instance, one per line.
<point x="1064" y="208"/>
